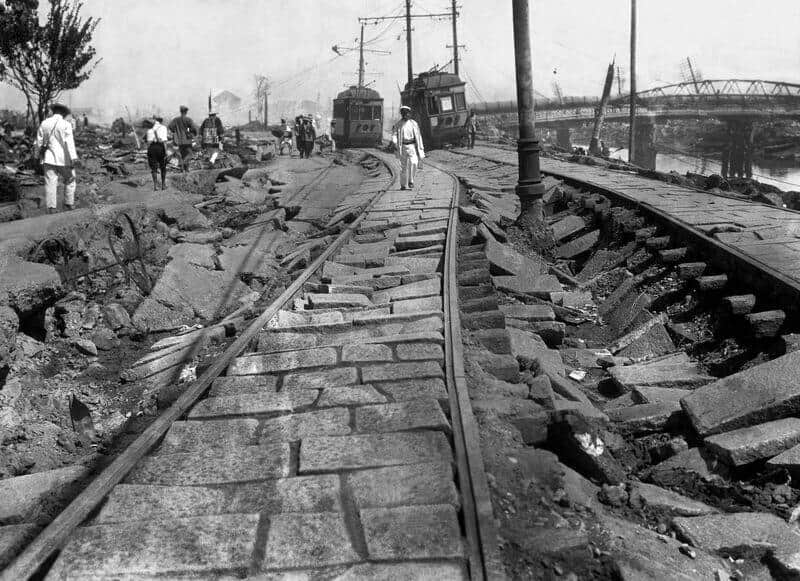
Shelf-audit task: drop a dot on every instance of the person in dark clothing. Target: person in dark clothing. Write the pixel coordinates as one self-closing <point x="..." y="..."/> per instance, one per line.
<point x="309" y="136"/>
<point x="472" y="128"/>
<point x="211" y="131"/>
<point x="85" y="122"/>
<point x="156" y="138"/>
<point x="183" y="132"/>
<point x="298" y="130"/>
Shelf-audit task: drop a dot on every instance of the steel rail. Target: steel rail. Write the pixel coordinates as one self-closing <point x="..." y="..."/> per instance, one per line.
<point x="56" y="534"/>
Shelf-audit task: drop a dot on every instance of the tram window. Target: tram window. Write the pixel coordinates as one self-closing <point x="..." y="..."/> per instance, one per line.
<point x="447" y="104"/>
<point x="339" y="110"/>
<point x="376" y="112"/>
<point x="461" y="102"/>
<point x="433" y="106"/>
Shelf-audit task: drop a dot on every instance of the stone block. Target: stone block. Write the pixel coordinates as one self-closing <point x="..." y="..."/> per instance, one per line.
<point x="714" y="282"/>
<point x="334" y="454"/>
<point x="672" y="255"/>
<point x="551" y="332"/>
<point x="403" y="416"/>
<point x="415" y="484"/>
<point x="22" y="496"/>
<point x="284" y="361"/>
<point x="479" y="305"/>
<point x="740" y="304"/>
<point x="579" y="245"/>
<point x="186" y="436"/>
<point x="766" y="323"/>
<point x="670" y="502"/>
<point x="658" y="242"/>
<point x="252" y="404"/>
<point x="766" y="392"/>
<point x="353" y="395"/>
<point x="533" y="428"/>
<point x="538" y="286"/>
<point x="321" y="379"/>
<point x="412" y="532"/>
<point x="410" y="389"/>
<point x="684" y="375"/>
<point x="366" y="352"/>
<point x="650" y="394"/>
<point x="646" y="418"/>
<point x="415" y="265"/>
<point x="503" y="367"/>
<point x="217" y="466"/>
<point x="476" y="276"/>
<point x="484" y="320"/>
<point x="292" y="427"/>
<point x="753" y="443"/>
<point x="419" y="351"/>
<point x="466" y="293"/>
<point x="529" y="312"/>
<point x="425" y="288"/>
<point x="397" y="371"/>
<point x="655" y="342"/>
<point x="308" y="541"/>
<point x="13" y="539"/>
<point x="417" y="305"/>
<point x="689" y="270"/>
<point x="238" y="384"/>
<point x="566" y="227"/>
<point x="506" y="260"/>
<point x="337" y="301"/>
<point x="422" y="241"/>
<point x="495" y="340"/>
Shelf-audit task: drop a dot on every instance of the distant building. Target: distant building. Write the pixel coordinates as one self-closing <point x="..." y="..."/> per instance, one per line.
<point x="230" y="108"/>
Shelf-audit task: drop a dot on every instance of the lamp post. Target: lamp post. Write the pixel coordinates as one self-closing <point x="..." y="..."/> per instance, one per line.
<point x="529" y="186"/>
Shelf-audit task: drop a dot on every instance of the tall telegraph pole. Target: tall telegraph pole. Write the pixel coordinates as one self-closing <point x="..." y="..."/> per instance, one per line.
<point x="455" y="39"/>
<point x="631" y="136"/>
<point x="361" y="58"/>
<point x="408" y="42"/>
<point x="529" y="187"/>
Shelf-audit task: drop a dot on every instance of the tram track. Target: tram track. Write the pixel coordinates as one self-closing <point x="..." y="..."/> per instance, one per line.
<point x="379" y="307"/>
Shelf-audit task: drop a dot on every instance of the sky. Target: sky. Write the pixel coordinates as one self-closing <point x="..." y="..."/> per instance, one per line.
<point x="161" y="54"/>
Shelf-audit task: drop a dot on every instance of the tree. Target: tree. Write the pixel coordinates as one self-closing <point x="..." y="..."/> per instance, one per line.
<point x="42" y="61"/>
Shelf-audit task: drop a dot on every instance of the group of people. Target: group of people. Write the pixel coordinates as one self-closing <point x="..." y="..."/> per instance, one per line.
<point x="305" y="134"/>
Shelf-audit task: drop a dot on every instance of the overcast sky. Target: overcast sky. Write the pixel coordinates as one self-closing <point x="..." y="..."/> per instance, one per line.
<point x="171" y="52"/>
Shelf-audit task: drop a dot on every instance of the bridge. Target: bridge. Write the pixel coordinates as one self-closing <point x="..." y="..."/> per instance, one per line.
<point x="738" y="102"/>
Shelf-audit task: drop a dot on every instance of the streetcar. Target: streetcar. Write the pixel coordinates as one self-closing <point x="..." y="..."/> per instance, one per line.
<point x="357" y="118"/>
<point x="439" y="105"/>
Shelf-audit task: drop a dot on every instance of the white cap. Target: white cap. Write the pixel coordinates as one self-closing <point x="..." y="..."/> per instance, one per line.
<point x="405" y="107"/>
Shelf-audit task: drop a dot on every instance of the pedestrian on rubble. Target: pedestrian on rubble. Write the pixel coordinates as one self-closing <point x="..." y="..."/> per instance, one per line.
<point x="298" y="130"/>
<point x="211" y="131"/>
<point x="156" y="139"/>
<point x="472" y="128"/>
<point x="56" y="146"/>
<point x="309" y="136"/>
<point x="183" y="133"/>
<point x="85" y="121"/>
<point x="407" y="139"/>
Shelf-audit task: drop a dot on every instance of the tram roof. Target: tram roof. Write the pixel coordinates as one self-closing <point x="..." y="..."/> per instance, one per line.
<point x="355" y="92"/>
<point x="435" y="80"/>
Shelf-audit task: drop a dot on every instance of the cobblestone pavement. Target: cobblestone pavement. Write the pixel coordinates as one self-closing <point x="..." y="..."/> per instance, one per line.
<point x="326" y="451"/>
<point x="766" y="234"/>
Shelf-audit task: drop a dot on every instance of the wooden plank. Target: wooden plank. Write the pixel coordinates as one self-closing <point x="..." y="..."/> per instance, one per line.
<point x="55" y="535"/>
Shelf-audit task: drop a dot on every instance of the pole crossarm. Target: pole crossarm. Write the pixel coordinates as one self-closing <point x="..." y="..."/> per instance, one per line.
<point x="367" y="20"/>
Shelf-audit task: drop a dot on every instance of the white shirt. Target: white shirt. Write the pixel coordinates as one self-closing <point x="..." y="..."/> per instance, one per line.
<point x="157" y="132"/>
<point x="407" y="130"/>
<point x="55" y="134"/>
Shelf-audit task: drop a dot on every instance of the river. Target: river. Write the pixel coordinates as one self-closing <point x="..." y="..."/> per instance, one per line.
<point x="783" y="174"/>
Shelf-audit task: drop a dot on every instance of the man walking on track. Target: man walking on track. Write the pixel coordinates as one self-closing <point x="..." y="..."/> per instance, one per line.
<point x="472" y="128"/>
<point x="183" y="131"/>
<point x="407" y="138"/>
<point x="56" y="146"/>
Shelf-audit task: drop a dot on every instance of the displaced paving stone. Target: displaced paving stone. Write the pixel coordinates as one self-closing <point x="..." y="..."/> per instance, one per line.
<point x="337" y="301"/>
<point x="417" y="305"/>
<point x="765" y="323"/>
<point x="646" y="418"/>
<point x="670" y="502"/>
<point x="529" y="312"/>
<point x="485" y="320"/>
<point x="368" y="352"/>
<point x="495" y="340"/>
<point x="538" y="286"/>
<point x="654" y="343"/>
<point x="766" y="392"/>
<point x="506" y="260"/>
<point x="746" y="445"/>
<point x="239" y="464"/>
<point x="143" y="548"/>
<point x="334" y="454"/>
<point x="285" y="361"/>
<point x="659" y="375"/>
<point x="409" y="389"/>
<point x="579" y="245"/>
<point x="412" y="532"/>
<point x="694" y="462"/>
<point x="650" y="394"/>
<point x="421" y="289"/>
<point x="740" y="304"/>
<point x="527" y="346"/>
<point x="308" y="540"/>
<point x="395" y="371"/>
<point x="22" y="496"/>
<point x="714" y="282"/>
<point x="566" y="227"/>
<point x="689" y="270"/>
<point x="415" y="484"/>
<point x="577" y="441"/>
<point x="415" y="265"/>
<point x="420" y="351"/>
<point x="196" y="435"/>
<point x="740" y="534"/>
<point x="551" y="332"/>
<point x="423" y="241"/>
<point x="429" y="570"/>
<point x="503" y="367"/>
<point x="321" y="379"/>
<point x="533" y="428"/>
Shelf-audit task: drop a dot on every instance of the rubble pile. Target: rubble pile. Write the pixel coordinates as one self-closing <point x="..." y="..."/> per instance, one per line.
<point x="617" y="391"/>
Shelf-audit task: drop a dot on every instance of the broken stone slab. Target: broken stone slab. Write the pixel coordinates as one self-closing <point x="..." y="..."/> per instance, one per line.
<point x="739" y="304"/>
<point x="738" y="535"/>
<point x="507" y="261"/>
<point x="746" y="445"/>
<point x="538" y="286"/>
<point x="694" y="463"/>
<point x="503" y="367"/>
<point x="484" y="320"/>
<point x="529" y="312"/>
<point x="526" y="346"/>
<point x="29" y="287"/>
<point x="506" y="407"/>
<point x="646" y="418"/>
<point x="598" y="263"/>
<point x="22" y="497"/>
<point x="495" y="340"/>
<point x="579" y="245"/>
<point x="566" y="227"/>
<point x="13" y="539"/>
<point x="683" y="375"/>
<point x="766" y="392"/>
<point x="650" y="394"/>
<point x="669" y="502"/>
<point x="577" y="441"/>
<point x="551" y="332"/>
<point x="639" y="332"/>
<point x="337" y="301"/>
<point x="766" y="323"/>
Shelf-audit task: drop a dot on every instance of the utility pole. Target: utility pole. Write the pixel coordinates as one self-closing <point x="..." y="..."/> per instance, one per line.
<point x="631" y="136"/>
<point x="691" y="72"/>
<point x="455" y="39"/>
<point x="529" y="187"/>
<point x="361" y="58"/>
<point x="408" y="42"/>
<point x="594" y="143"/>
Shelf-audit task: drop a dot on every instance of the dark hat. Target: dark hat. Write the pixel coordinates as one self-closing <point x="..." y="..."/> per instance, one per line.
<point x="60" y="108"/>
<point x="157" y="118"/>
<point x="184" y="109"/>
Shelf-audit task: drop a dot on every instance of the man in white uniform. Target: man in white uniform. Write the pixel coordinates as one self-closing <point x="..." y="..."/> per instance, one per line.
<point x="407" y="139"/>
<point x="55" y="140"/>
